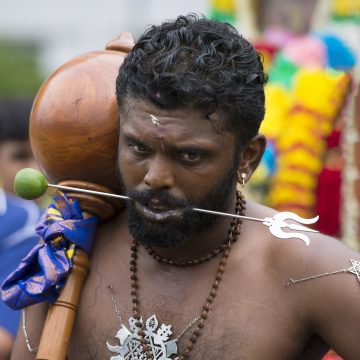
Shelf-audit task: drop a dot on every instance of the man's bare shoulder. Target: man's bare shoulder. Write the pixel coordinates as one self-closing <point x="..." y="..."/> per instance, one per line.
<point x="324" y="290"/>
<point x="323" y="252"/>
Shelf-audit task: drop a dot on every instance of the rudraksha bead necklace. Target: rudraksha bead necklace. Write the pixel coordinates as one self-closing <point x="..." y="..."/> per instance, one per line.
<point x="233" y="233"/>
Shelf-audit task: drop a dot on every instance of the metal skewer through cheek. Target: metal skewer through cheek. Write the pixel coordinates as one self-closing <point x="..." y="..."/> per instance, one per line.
<point x="275" y="223"/>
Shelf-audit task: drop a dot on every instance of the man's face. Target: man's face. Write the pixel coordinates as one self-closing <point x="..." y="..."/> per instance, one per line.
<point x="14" y="155"/>
<point x="171" y="161"/>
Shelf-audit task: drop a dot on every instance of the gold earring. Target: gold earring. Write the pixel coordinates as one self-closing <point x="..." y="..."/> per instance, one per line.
<point x="243" y="178"/>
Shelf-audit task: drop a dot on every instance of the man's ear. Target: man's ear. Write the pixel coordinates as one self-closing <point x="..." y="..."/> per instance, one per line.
<point x="250" y="158"/>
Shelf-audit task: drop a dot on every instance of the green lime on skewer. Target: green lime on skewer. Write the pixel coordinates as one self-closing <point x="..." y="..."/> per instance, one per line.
<point x="30" y="184"/>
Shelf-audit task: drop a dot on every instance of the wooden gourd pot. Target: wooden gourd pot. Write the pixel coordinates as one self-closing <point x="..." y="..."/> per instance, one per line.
<point x="74" y="135"/>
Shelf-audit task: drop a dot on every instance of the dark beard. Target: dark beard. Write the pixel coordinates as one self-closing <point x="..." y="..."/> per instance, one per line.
<point x="192" y="224"/>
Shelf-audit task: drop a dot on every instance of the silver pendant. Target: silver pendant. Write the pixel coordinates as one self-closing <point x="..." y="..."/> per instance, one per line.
<point x="157" y="338"/>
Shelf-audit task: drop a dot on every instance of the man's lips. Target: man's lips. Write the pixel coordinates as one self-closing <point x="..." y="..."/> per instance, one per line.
<point x="157" y="212"/>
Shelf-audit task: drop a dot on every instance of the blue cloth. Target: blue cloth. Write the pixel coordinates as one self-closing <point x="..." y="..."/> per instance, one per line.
<point x="42" y="273"/>
<point x="18" y="219"/>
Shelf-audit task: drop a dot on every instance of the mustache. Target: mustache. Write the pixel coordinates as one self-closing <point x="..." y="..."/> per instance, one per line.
<point x="166" y="199"/>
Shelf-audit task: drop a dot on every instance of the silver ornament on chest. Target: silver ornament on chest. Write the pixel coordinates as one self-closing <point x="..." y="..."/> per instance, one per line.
<point x="157" y="339"/>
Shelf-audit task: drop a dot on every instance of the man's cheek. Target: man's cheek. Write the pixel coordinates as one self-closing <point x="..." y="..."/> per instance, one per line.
<point x="127" y="177"/>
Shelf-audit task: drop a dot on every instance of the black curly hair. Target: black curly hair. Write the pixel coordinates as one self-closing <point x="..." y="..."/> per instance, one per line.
<point x="194" y="62"/>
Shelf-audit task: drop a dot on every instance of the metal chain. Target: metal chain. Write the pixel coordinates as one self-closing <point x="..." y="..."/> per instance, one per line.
<point x="292" y="281"/>
<point x="188" y="327"/>
<point x="116" y="307"/>
<point x="23" y="317"/>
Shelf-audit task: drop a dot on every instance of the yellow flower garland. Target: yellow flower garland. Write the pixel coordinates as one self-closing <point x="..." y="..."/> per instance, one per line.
<point x="299" y="122"/>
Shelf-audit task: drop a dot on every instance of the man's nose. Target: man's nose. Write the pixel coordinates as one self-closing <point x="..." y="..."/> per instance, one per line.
<point x="159" y="174"/>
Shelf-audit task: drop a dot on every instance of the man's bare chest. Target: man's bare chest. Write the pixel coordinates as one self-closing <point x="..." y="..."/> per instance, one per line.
<point x="245" y="322"/>
<point x="221" y="338"/>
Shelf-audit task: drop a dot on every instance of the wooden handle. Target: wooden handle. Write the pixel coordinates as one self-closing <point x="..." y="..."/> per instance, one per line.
<point x="56" y="335"/>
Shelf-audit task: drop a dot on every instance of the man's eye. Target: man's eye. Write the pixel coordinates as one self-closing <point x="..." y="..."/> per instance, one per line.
<point x="140" y="149"/>
<point x="190" y="156"/>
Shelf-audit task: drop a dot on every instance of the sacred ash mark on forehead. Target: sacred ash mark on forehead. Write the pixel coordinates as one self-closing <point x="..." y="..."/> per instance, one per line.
<point x="156" y="122"/>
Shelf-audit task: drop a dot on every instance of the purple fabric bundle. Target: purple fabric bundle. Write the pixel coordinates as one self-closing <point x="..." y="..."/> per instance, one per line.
<point x="42" y="273"/>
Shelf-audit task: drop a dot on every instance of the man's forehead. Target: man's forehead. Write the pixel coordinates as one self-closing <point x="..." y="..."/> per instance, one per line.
<point x="133" y="106"/>
<point x="145" y="125"/>
<point x="143" y="113"/>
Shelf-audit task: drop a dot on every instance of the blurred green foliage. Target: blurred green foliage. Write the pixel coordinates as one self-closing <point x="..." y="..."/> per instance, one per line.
<point x="19" y="69"/>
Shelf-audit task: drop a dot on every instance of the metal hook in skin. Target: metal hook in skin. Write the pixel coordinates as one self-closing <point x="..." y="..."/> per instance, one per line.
<point x="276" y="223"/>
<point x="354" y="269"/>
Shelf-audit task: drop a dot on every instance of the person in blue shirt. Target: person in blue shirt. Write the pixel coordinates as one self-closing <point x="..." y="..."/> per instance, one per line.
<point x="18" y="217"/>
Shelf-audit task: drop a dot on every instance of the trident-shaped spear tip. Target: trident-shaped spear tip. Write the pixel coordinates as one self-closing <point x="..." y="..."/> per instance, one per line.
<point x="277" y="224"/>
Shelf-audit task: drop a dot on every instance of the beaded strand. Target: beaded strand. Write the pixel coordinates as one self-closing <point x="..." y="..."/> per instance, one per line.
<point x="233" y="233"/>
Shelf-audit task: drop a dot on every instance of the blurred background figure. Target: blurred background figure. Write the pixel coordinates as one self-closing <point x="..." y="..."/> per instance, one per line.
<point x="18" y="217"/>
<point x="15" y="149"/>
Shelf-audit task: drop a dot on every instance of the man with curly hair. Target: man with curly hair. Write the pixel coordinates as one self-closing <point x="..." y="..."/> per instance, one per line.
<point x="171" y="283"/>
